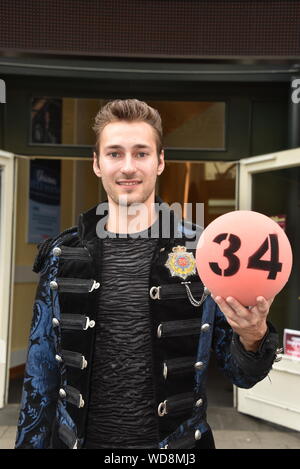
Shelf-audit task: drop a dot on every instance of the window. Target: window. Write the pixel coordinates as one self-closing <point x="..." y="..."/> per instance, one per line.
<point x="189" y="125"/>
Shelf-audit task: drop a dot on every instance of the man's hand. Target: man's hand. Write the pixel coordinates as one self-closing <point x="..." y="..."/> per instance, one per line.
<point x="249" y="323"/>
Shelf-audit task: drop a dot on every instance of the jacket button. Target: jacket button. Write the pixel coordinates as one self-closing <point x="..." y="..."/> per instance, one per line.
<point x="199" y="403"/>
<point x="58" y="358"/>
<point x="56" y="251"/>
<point x="81" y="403"/>
<point x="199" y="365"/>
<point x="62" y="393"/>
<point x="53" y="285"/>
<point x="197" y="435"/>
<point x="55" y="322"/>
<point x="162" y="409"/>
<point x="89" y="323"/>
<point x="84" y="363"/>
<point x="205" y="327"/>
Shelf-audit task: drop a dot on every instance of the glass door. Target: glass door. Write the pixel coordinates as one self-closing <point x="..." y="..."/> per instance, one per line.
<point x="270" y="184"/>
<point x="7" y="200"/>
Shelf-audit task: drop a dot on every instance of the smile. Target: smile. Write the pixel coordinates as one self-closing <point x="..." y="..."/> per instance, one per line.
<point x="133" y="183"/>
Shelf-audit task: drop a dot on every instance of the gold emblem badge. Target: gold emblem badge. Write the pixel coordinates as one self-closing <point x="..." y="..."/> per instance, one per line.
<point x="181" y="263"/>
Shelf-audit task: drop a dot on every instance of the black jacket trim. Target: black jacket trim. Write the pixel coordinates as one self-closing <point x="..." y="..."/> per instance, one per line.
<point x="74" y="396"/>
<point x="75" y="285"/>
<point x="179" y="328"/>
<point x="175" y="291"/>
<point x="45" y="246"/>
<point x="75" y="322"/>
<point x="70" y="253"/>
<point x="177" y="403"/>
<point x="74" y="359"/>
<point x="186" y="442"/>
<point x="177" y="366"/>
<point x="67" y="436"/>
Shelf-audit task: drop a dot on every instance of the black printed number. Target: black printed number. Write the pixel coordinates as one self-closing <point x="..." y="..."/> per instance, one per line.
<point x="273" y="266"/>
<point x="234" y="262"/>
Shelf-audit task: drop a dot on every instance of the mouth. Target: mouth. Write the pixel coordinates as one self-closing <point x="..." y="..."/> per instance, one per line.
<point x="129" y="183"/>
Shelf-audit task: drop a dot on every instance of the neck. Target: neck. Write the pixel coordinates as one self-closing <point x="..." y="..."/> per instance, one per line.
<point x="131" y="219"/>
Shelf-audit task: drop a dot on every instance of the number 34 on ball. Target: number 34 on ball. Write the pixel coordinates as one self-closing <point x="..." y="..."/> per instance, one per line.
<point x="244" y="254"/>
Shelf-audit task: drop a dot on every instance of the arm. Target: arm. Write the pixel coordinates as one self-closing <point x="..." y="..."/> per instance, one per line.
<point x="250" y="324"/>
<point x="41" y="380"/>
<point x="243" y="366"/>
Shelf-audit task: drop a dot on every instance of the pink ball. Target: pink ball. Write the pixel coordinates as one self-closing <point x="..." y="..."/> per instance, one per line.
<point x="244" y="254"/>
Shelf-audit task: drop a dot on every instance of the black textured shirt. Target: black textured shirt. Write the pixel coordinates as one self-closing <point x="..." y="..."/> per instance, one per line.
<point x="121" y="412"/>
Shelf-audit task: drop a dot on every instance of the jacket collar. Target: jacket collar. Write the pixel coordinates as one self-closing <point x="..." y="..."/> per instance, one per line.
<point x="88" y="221"/>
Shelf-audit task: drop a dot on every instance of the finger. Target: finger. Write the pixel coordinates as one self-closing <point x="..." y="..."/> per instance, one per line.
<point x="240" y="310"/>
<point x="234" y="319"/>
<point x="224" y="306"/>
<point x="262" y="305"/>
<point x="234" y="325"/>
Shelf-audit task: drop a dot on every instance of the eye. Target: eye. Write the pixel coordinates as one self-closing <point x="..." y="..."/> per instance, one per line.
<point x="113" y="154"/>
<point x="142" y="154"/>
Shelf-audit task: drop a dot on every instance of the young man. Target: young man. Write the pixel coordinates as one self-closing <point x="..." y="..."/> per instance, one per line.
<point x="119" y="345"/>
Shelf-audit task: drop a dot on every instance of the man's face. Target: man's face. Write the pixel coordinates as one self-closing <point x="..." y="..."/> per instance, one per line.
<point x="128" y="162"/>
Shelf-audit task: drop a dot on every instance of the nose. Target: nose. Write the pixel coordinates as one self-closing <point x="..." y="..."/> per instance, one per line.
<point x="128" y="166"/>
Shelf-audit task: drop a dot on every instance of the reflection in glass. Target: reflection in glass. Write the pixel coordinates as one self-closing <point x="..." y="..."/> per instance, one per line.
<point x="208" y="182"/>
<point x="192" y="124"/>
<point x="186" y="124"/>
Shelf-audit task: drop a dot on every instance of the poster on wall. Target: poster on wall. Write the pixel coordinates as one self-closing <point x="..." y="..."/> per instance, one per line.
<point x="44" y="200"/>
<point x="291" y="343"/>
<point x="46" y="120"/>
<point x="281" y="220"/>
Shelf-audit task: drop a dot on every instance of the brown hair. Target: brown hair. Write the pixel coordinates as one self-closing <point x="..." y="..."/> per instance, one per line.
<point x="129" y="110"/>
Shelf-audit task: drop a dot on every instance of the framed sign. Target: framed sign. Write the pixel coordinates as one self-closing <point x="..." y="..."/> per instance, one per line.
<point x="46" y="120"/>
<point x="291" y="341"/>
<point x="44" y="200"/>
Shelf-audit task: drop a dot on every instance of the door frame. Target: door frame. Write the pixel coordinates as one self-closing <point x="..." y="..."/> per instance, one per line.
<point x="273" y="404"/>
<point x="8" y="167"/>
<point x="258" y="164"/>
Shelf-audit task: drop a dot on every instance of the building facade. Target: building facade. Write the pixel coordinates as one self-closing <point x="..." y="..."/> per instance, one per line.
<point x="224" y="76"/>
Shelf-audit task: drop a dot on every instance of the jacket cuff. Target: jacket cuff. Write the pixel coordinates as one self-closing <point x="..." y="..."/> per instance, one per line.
<point x="260" y="362"/>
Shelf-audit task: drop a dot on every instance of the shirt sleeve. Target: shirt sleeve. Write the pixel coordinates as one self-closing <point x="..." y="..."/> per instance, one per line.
<point x="243" y="368"/>
<point x="260" y="361"/>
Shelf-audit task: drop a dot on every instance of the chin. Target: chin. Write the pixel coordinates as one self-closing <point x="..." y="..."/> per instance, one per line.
<point x="125" y="200"/>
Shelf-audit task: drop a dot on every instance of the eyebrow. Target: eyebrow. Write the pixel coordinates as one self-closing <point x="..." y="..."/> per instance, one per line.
<point x="117" y="147"/>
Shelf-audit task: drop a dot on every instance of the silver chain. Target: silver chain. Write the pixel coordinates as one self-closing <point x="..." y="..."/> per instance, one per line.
<point x="193" y="301"/>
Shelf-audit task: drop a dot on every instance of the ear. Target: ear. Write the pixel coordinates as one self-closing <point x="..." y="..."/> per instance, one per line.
<point x="96" y="166"/>
<point x="161" y="164"/>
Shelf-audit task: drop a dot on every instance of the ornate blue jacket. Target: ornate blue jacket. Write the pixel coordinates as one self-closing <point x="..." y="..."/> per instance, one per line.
<point x="55" y="397"/>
